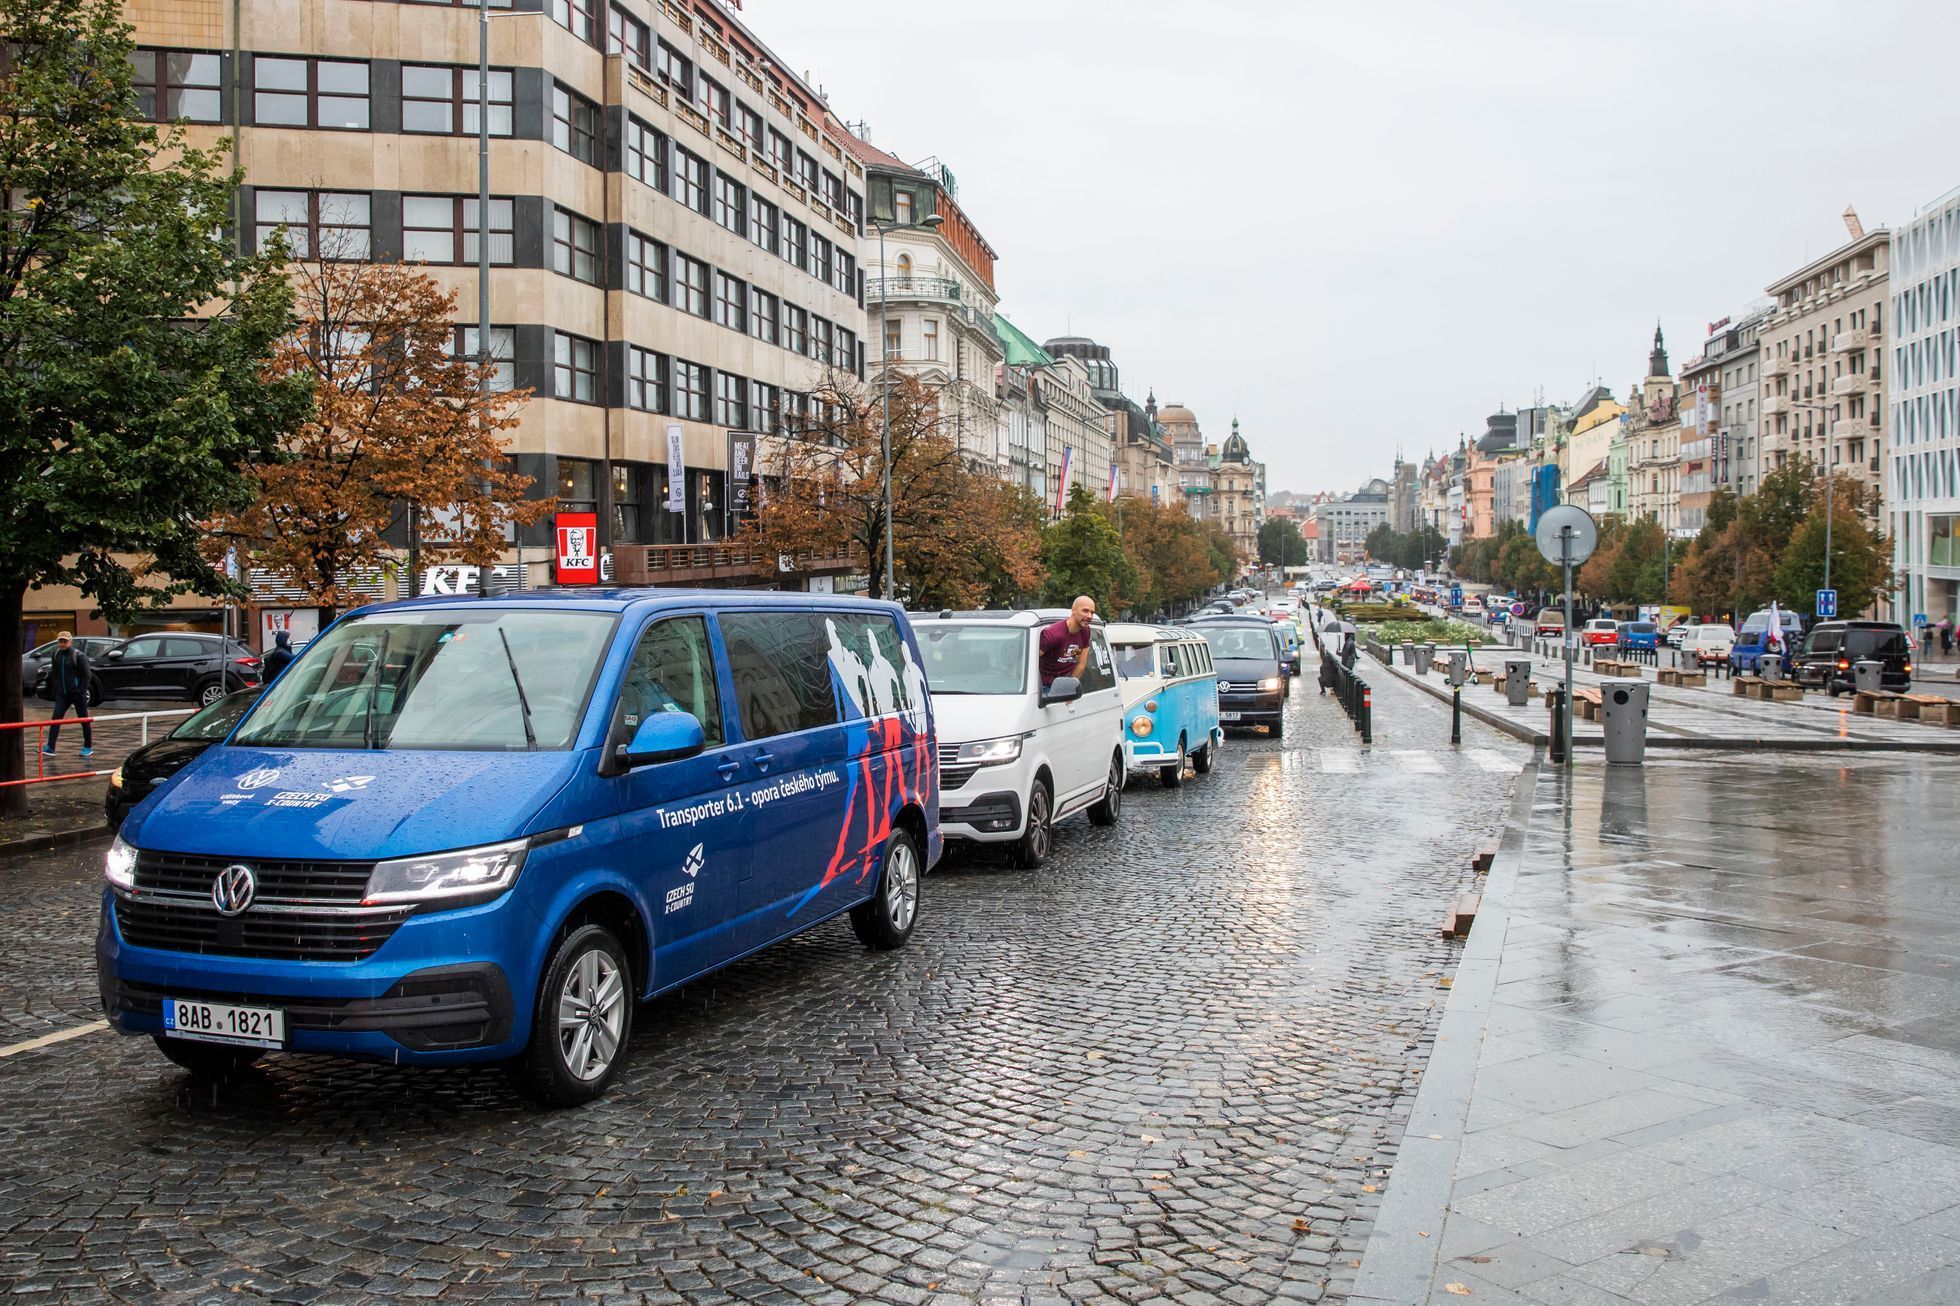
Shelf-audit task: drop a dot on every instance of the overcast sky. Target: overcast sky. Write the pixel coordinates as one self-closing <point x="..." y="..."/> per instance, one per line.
<point x="1367" y="224"/>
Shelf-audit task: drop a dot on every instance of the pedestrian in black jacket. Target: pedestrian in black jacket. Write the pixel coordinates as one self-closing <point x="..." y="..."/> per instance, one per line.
<point x="68" y="678"/>
<point x="277" y="660"/>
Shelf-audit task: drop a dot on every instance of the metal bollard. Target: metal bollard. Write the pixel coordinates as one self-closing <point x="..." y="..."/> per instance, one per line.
<point x="1555" y="699"/>
<point x="1364" y="718"/>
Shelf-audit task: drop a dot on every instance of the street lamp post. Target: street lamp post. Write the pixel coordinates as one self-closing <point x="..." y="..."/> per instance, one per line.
<point x="885" y="385"/>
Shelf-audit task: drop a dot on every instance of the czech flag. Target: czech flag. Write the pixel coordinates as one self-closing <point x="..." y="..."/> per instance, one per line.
<point x="1061" y="483"/>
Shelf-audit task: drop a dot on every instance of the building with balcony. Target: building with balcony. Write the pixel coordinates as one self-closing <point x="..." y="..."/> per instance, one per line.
<point x="1827" y="326"/>
<point x="1143" y="463"/>
<point x="674" y="223"/>
<point x="1653" y="445"/>
<point x="1922" y="478"/>
<point x="932" y="289"/>
<point x="1061" y="406"/>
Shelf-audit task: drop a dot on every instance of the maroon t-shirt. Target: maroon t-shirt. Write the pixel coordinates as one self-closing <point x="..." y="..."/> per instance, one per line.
<point x="1060" y="647"/>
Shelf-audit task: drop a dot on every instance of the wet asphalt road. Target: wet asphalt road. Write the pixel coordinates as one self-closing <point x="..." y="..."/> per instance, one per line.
<point x="1171" y="1064"/>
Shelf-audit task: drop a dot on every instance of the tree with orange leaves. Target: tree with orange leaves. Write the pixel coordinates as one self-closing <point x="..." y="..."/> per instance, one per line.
<point x="403" y="428"/>
<point x="960" y="538"/>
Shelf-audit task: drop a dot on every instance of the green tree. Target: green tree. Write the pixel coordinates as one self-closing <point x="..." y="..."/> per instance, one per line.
<point x="1860" y="558"/>
<point x="121" y="431"/>
<point x="1381" y="543"/>
<point x="1083" y="554"/>
<point x="1280" y="544"/>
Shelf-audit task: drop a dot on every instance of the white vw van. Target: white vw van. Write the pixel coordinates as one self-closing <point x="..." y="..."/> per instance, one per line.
<point x="1014" y="758"/>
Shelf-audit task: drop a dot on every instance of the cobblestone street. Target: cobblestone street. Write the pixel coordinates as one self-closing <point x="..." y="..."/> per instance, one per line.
<point x="1172" y="1063"/>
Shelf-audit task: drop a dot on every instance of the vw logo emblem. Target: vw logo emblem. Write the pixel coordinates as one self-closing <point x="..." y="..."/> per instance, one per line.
<point x="258" y="778"/>
<point x="232" y="891"/>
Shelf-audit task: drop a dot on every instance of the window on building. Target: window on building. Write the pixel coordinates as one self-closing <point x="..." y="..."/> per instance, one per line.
<point x="674" y="68"/>
<point x="731" y="302"/>
<point x="177" y="85"/>
<point x="330" y="93"/>
<point x="762" y="222"/>
<point x="820" y="339"/>
<point x="713" y="98"/>
<point x="844" y="349"/>
<point x="329" y="225"/>
<point x="820" y="261"/>
<point x="904" y="268"/>
<point x="646" y="380"/>
<point x="762" y="315"/>
<point x="751" y="127"/>
<point x="646" y="266"/>
<point x="574" y="124"/>
<point x="929" y="334"/>
<point x="503" y="353"/>
<point x="833" y="190"/>
<point x="762" y="408"/>
<point x="901" y="206"/>
<point x="575" y="369"/>
<point x="690" y="285"/>
<point x="779" y="153"/>
<point x="806" y="172"/>
<point x="796" y="238"/>
<point x="443" y="101"/>
<point x="690" y="180"/>
<point x="731" y="204"/>
<point x="690" y="390"/>
<point x="796" y="329"/>
<point x="576" y="16"/>
<point x="443" y="229"/>
<point x="846" y="271"/>
<point x="575" y="246"/>
<point x="627" y="35"/>
<point x="893" y="334"/>
<point x="646" y="154"/>
<point x="731" y="399"/>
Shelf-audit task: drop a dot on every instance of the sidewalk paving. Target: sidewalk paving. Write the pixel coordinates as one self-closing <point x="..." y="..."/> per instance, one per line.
<point x="1703" y="716"/>
<point x="1703" y="1045"/>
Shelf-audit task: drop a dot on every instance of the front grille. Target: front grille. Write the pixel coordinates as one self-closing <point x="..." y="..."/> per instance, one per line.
<point x="186" y="925"/>
<point x="953" y="777"/>
<point x="278" y="881"/>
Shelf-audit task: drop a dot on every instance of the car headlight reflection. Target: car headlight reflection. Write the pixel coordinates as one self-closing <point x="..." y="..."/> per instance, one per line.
<point x="992" y="752"/>
<point x="119" y="868"/>
<point x="468" y="873"/>
<point x="1269" y="683"/>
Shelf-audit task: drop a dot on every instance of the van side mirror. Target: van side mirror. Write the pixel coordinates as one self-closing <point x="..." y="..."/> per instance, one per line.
<point x="1063" y="689"/>
<point x="664" y="737"/>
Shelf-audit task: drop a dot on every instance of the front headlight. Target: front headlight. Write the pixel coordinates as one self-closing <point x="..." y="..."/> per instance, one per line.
<point x="467" y="873"/>
<point x="115" y="778"/>
<point x="119" y="868"/>
<point x="1141" y="726"/>
<point x="1269" y="683"/>
<point x="992" y="752"/>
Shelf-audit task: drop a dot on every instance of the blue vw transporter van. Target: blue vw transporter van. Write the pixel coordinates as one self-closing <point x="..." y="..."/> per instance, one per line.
<point x="471" y="830"/>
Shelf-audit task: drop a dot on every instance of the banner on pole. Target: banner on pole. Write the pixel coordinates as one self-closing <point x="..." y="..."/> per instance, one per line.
<point x="676" y="471"/>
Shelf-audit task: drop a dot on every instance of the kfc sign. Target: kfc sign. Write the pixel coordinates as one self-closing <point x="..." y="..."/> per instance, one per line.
<point x="578" y="548"/>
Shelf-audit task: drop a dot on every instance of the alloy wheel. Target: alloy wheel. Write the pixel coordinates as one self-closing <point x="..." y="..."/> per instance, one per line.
<point x="591" y="1015"/>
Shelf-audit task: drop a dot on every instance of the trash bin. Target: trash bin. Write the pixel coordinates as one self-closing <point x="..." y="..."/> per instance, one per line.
<point x="1459" y="665"/>
<point x="1624" y="708"/>
<point x="1517" y="681"/>
<point x="1770" y="667"/>
<point x="1408" y="653"/>
<point x="1425" y="653"/>
<point x="1867" y="677"/>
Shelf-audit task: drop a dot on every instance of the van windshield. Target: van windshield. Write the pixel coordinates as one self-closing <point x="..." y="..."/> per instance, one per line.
<point x="1240" y="642"/>
<point x="975" y="659"/>
<point x="440" y="678"/>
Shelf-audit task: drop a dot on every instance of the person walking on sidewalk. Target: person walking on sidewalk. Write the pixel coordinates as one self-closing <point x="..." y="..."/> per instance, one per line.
<point x="277" y="660"/>
<point x="1946" y="637"/>
<point x="68" y="677"/>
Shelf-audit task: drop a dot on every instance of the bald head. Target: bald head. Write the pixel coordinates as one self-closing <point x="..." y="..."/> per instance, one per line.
<point x="1081" y="612"/>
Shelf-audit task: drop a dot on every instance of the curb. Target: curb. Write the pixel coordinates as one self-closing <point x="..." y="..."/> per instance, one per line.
<point x="1710" y="743"/>
<point x="40" y="843"/>
<point x="1405" y="1250"/>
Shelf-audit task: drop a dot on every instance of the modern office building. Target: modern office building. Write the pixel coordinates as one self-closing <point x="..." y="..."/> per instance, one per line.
<point x="1922" y="489"/>
<point x="674" y="223"/>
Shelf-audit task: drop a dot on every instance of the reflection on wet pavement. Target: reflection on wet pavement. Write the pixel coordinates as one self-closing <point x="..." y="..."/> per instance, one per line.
<point x="1722" y="1053"/>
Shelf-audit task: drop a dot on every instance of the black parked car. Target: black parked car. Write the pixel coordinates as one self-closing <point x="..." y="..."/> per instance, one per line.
<point x="175" y="664"/>
<point x="1834" y="648"/>
<point x="155" y="762"/>
<point x="35" y="662"/>
<point x="1251" y="666"/>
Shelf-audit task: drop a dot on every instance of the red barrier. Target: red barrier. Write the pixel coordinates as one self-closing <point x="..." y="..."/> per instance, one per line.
<point x="41" y="775"/>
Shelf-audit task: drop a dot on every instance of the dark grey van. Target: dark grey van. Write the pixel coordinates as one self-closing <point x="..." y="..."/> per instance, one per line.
<point x="1834" y="648"/>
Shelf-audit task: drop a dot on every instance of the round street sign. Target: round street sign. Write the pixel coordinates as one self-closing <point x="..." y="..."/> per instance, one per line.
<point x="1552" y="525"/>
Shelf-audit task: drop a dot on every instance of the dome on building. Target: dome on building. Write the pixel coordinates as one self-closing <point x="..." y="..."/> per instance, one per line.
<point x="1235" y="450"/>
<point x="1176" y="413"/>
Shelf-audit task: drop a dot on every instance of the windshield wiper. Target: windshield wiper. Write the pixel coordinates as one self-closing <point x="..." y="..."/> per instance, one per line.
<point x="374" y="689"/>
<point x="524" y="704"/>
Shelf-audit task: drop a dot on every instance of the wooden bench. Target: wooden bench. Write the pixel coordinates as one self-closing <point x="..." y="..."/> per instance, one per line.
<point x="1780" y="691"/>
<point x="1615" y="667"/>
<point x="1680" y="676"/>
<point x="1865" y="702"/>
<point x="1587" y="702"/>
<point x="1937" y="711"/>
<point x="1463" y="914"/>
<point x="1897" y="707"/>
<point x="1744" y="686"/>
